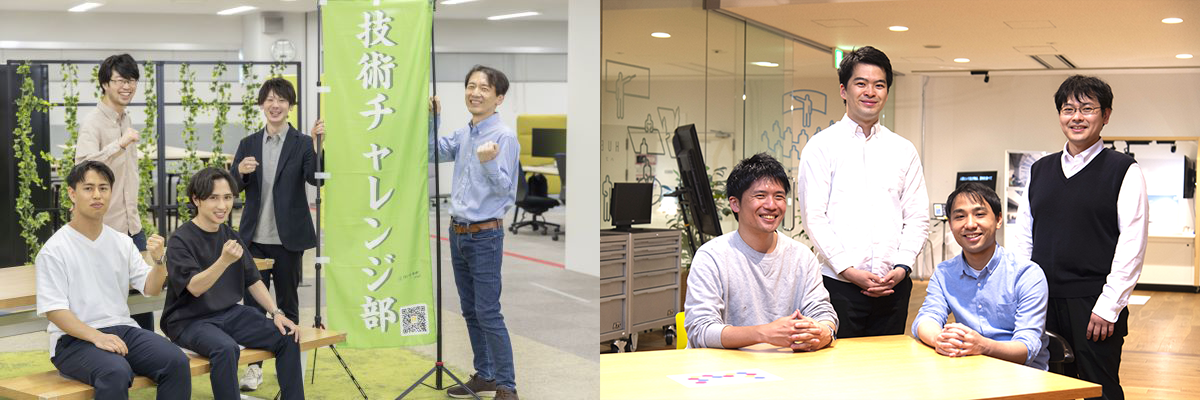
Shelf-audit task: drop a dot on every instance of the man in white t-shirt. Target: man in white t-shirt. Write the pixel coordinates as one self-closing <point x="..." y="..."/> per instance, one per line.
<point x="84" y="272"/>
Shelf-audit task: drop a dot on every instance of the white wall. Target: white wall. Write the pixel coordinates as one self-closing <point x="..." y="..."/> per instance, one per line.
<point x="511" y="36"/>
<point x="583" y="123"/>
<point x="970" y="124"/>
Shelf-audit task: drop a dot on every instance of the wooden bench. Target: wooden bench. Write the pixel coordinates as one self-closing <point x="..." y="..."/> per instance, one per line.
<point x="51" y="385"/>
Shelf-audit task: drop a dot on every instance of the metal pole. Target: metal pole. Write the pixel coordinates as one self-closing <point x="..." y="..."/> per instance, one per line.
<point x="160" y="130"/>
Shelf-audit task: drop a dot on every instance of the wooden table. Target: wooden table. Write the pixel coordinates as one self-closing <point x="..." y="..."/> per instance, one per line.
<point x="18" y="287"/>
<point x="884" y="367"/>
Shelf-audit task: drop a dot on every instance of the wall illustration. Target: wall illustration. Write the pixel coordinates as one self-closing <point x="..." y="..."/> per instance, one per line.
<point x="627" y="80"/>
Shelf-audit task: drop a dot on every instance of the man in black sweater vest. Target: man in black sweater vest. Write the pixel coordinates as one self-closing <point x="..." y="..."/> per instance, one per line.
<point x="1086" y="227"/>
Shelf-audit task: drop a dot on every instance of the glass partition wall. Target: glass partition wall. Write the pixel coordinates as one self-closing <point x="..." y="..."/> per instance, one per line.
<point x="747" y="89"/>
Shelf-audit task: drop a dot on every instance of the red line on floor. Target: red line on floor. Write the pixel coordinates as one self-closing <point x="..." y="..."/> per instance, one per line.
<point x="511" y="254"/>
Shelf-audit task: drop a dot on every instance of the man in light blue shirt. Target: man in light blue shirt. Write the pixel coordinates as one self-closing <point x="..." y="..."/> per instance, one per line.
<point x="485" y="180"/>
<point x="998" y="299"/>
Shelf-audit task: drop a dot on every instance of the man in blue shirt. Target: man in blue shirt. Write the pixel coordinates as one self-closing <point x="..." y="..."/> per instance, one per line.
<point x="485" y="155"/>
<point x="998" y="299"/>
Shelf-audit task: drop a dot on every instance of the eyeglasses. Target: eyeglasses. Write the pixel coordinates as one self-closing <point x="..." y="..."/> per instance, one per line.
<point x="1088" y="110"/>
<point x="124" y="82"/>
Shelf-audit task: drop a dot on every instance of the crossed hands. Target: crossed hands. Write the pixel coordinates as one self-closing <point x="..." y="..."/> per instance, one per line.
<point x="872" y="285"/>
<point x="796" y="331"/>
<point x="957" y="340"/>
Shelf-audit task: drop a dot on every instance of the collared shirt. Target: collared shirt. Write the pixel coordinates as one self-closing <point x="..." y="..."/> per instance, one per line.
<point x="1006" y="301"/>
<point x="267" y="231"/>
<point x="1132" y="219"/>
<point x="99" y="140"/>
<point x="481" y="191"/>
<point x="862" y="199"/>
<point x="90" y="278"/>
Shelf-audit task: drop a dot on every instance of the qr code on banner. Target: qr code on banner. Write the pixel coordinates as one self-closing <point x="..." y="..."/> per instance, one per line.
<point x="414" y="320"/>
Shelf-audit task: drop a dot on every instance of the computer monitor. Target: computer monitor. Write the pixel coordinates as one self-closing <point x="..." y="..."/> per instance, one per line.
<point x="630" y="204"/>
<point x="549" y="141"/>
<point x="939" y="211"/>
<point x="985" y="178"/>
<point x="693" y="177"/>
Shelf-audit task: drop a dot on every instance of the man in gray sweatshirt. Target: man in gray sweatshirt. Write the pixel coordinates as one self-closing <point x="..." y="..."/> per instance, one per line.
<point x="755" y="285"/>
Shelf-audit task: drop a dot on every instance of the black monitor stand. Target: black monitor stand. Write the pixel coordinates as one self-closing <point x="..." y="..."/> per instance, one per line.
<point x="684" y="209"/>
<point x="623" y="228"/>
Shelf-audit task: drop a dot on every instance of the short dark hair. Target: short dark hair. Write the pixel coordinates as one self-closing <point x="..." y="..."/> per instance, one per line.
<point x="281" y="87"/>
<point x="864" y="55"/>
<point x="123" y="63"/>
<point x="977" y="192"/>
<point x="750" y="170"/>
<point x="1082" y="87"/>
<point x="202" y="183"/>
<point x="82" y="168"/>
<point x="495" y="78"/>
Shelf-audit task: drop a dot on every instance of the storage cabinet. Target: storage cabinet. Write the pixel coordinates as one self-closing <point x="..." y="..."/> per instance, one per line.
<point x="639" y="282"/>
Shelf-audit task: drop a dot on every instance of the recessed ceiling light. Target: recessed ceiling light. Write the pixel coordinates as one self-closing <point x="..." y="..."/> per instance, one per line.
<point x="235" y="10"/>
<point x="453" y="2"/>
<point x="962" y="60"/>
<point x="897" y="28"/>
<point x="661" y="35"/>
<point x="1183" y="56"/>
<point x="84" y="7"/>
<point x="1172" y="20"/>
<point x="767" y="64"/>
<point x="516" y="15"/>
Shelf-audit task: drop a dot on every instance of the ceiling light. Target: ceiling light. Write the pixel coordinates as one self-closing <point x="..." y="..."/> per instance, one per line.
<point x="517" y="15"/>
<point x="767" y="64"/>
<point x="661" y="35"/>
<point x="84" y="7"/>
<point x="897" y="28"/>
<point x="453" y="2"/>
<point x="1172" y="20"/>
<point x="962" y="60"/>
<point x="1183" y="56"/>
<point x="235" y="10"/>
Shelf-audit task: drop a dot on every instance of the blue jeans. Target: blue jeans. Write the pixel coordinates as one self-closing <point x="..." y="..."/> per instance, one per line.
<point x="476" y="258"/>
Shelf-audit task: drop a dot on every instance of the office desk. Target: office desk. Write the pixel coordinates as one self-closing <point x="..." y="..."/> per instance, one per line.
<point x="550" y="169"/>
<point x="18" y="286"/>
<point x="885" y="367"/>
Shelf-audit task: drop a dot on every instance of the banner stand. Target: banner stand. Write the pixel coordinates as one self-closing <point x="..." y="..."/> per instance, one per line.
<point x="439" y="366"/>
<point x="317" y="322"/>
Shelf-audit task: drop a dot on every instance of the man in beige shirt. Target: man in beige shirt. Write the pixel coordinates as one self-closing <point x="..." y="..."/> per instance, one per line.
<point x="106" y="135"/>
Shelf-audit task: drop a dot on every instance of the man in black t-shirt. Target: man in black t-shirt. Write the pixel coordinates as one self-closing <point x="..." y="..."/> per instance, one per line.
<point x="209" y="272"/>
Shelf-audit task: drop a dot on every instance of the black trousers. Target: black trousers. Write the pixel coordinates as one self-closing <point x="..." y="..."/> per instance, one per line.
<point x="111" y="374"/>
<point x="218" y="336"/>
<point x="861" y="315"/>
<point x="287" y="273"/>
<point x="1096" y="362"/>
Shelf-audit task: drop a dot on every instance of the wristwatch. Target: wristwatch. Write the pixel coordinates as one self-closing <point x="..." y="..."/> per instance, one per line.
<point x="276" y="313"/>
<point x="907" y="269"/>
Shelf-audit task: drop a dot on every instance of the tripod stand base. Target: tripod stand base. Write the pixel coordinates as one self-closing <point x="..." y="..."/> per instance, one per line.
<point x="439" y="368"/>
<point x="345" y="367"/>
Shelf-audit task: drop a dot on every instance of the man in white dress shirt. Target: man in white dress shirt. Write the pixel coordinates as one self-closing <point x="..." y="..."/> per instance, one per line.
<point x="1086" y="227"/>
<point x="863" y="202"/>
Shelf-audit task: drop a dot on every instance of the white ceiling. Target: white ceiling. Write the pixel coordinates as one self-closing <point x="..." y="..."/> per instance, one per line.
<point x="993" y="34"/>
<point x="552" y="10"/>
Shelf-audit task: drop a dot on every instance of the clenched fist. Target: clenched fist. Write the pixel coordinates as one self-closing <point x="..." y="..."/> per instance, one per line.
<point x="487" y="151"/>
<point x="154" y="245"/>
<point x="231" y="252"/>
<point x="131" y="136"/>
<point x="248" y="165"/>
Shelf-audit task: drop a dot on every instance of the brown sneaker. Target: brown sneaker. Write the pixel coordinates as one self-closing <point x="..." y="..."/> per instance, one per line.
<point x="478" y="385"/>
<point x="503" y="393"/>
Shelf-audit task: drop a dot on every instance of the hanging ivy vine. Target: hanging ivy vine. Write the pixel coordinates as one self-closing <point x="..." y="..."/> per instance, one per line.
<point x="64" y="164"/>
<point x="249" y="113"/>
<point x="191" y="162"/>
<point x="219" y="104"/>
<point x="27" y="176"/>
<point x="148" y="145"/>
<point x="96" y="82"/>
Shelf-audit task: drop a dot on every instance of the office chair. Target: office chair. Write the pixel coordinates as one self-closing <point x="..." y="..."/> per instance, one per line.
<point x="560" y="159"/>
<point x="534" y="206"/>
<point x="1060" y="352"/>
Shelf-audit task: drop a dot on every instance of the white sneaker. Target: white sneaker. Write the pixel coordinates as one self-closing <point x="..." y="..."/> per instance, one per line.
<point x="252" y="378"/>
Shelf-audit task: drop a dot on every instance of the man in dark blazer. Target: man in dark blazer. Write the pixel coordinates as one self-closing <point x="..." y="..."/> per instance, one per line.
<point x="271" y="166"/>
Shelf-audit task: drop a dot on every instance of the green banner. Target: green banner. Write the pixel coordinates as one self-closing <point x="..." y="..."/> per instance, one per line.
<point x="377" y="208"/>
